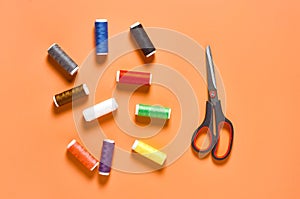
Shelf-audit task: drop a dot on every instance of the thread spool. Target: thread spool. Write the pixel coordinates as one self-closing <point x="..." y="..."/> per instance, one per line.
<point x="134" y="77"/>
<point x="71" y="94"/>
<point x="108" y="147"/>
<point x="152" y="111"/>
<point x="142" y="39"/>
<point x="101" y="34"/>
<point x="82" y="155"/>
<point x="149" y="152"/>
<point x="63" y="59"/>
<point x="100" y="109"/>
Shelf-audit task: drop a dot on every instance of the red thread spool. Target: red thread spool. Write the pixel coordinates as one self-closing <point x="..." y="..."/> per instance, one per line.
<point x="82" y="155"/>
<point x="134" y="77"/>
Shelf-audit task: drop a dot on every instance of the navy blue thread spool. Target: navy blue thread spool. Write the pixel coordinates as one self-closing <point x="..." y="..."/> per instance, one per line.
<point x="142" y="39"/>
<point x="64" y="60"/>
<point x="108" y="147"/>
<point x="101" y="36"/>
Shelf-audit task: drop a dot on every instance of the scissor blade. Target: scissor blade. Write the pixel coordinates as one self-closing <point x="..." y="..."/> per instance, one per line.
<point x="211" y="79"/>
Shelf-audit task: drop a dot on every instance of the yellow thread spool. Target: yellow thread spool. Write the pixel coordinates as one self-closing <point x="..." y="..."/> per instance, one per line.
<point x="149" y="152"/>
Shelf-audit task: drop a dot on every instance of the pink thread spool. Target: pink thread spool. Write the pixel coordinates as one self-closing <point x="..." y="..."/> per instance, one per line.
<point x="134" y="77"/>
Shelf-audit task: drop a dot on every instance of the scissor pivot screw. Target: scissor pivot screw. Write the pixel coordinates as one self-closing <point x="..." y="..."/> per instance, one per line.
<point x="212" y="94"/>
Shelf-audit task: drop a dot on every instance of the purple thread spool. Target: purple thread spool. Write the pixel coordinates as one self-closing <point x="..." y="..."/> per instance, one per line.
<point x="106" y="157"/>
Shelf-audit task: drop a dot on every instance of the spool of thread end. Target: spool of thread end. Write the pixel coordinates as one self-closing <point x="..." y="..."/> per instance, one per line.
<point x="63" y="59"/>
<point x="149" y="152"/>
<point x="71" y="94"/>
<point x="108" y="147"/>
<point x="134" y="77"/>
<point x="101" y="36"/>
<point x="100" y="109"/>
<point x="82" y="155"/>
<point x="152" y="111"/>
<point x="142" y="39"/>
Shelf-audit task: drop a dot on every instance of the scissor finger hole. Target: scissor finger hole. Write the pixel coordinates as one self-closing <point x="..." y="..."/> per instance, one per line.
<point x="225" y="136"/>
<point x="203" y="139"/>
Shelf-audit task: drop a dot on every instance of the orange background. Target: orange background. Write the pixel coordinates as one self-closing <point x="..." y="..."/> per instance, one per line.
<point x="255" y="46"/>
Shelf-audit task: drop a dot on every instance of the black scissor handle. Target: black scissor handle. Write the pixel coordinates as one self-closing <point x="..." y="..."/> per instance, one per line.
<point x="222" y="123"/>
<point x="205" y="127"/>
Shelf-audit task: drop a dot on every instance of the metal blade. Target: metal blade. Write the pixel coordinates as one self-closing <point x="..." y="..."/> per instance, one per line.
<point x="211" y="79"/>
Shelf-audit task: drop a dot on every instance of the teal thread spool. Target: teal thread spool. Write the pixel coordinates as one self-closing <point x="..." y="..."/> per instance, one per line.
<point x="152" y="111"/>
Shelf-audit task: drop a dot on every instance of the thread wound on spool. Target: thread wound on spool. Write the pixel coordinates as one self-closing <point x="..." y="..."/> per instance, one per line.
<point x="82" y="155"/>
<point x="149" y="152"/>
<point x="133" y="77"/>
<point x="107" y="151"/>
<point x="100" y="109"/>
<point x="71" y="94"/>
<point x="101" y="36"/>
<point x="153" y="111"/>
<point x="142" y="39"/>
<point x="63" y="59"/>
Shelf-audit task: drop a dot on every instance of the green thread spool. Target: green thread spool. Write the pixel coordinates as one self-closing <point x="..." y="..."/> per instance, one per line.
<point x="71" y="94"/>
<point x="152" y="111"/>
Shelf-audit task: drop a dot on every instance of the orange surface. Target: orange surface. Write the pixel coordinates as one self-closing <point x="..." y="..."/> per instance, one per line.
<point x="255" y="45"/>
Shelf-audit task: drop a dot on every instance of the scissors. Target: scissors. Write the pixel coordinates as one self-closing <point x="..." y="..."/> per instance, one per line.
<point x="214" y="121"/>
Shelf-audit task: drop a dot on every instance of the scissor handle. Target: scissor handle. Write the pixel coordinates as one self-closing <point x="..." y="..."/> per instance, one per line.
<point x="222" y="123"/>
<point x="227" y="125"/>
<point x="205" y="127"/>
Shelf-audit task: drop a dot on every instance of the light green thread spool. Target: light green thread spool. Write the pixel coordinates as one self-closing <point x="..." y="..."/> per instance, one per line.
<point x="152" y="111"/>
